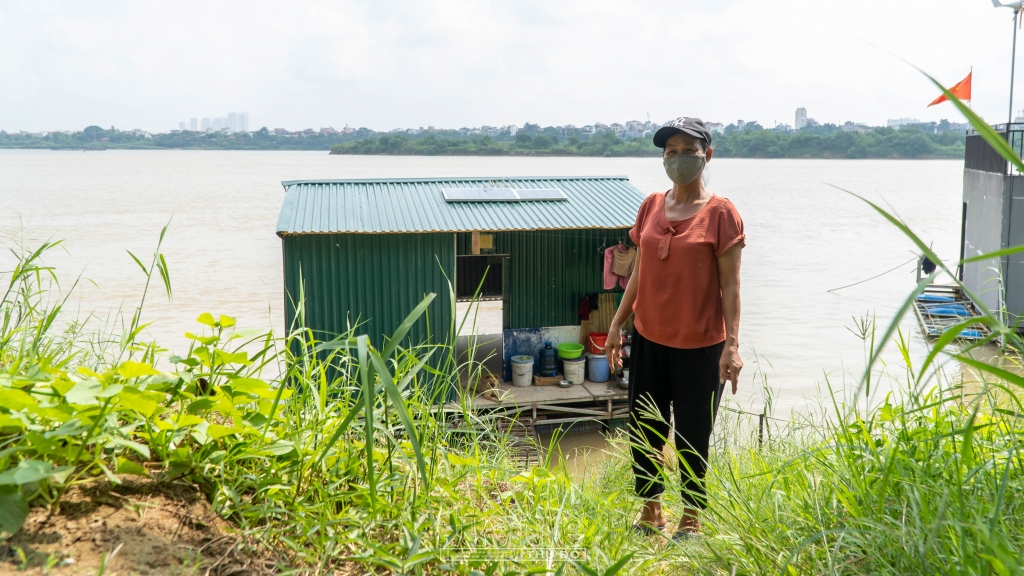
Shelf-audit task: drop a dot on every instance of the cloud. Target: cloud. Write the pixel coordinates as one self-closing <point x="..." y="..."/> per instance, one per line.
<point x="459" y="62"/>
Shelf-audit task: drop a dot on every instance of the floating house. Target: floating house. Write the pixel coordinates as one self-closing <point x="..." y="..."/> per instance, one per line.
<point x="368" y="251"/>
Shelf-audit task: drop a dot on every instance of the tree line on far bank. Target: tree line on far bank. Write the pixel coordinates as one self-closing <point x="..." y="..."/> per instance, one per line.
<point x="95" y="137"/>
<point x="908" y="142"/>
<point x="751" y="141"/>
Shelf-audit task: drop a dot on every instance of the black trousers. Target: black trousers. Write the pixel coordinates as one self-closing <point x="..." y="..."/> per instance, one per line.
<point x="688" y="380"/>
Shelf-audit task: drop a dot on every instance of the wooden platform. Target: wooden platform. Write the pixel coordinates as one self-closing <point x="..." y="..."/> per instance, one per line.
<point x="935" y="308"/>
<point x="553" y="404"/>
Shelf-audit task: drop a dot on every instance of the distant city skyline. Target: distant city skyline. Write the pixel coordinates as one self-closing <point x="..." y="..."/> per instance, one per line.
<point x="626" y="130"/>
<point x="232" y="122"/>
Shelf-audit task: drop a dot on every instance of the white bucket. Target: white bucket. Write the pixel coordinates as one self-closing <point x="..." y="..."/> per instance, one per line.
<point x="522" y="370"/>
<point x="574" y="370"/>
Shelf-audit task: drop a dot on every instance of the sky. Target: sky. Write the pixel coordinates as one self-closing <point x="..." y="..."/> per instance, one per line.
<point x="387" y="64"/>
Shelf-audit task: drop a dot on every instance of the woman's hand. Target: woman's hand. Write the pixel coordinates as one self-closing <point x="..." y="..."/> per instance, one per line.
<point x="613" y="347"/>
<point x="729" y="366"/>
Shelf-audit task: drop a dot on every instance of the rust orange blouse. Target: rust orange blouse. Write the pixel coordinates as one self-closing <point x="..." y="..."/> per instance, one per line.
<point x="679" y="299"/>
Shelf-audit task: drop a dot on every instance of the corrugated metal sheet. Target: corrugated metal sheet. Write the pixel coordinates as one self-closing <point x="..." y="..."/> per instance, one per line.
<point x="373" y="278"/>
<point x="418" y="205"/>
<point x="547" y="272"/>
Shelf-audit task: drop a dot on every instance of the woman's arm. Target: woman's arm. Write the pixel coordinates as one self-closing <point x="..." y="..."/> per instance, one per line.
<point x="613" y="345"/>
<point x="729" y="279"/>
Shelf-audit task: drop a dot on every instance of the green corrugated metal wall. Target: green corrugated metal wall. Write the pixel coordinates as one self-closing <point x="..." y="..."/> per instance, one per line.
<point x="377" y="278"/>
<point x="548" y="272"/>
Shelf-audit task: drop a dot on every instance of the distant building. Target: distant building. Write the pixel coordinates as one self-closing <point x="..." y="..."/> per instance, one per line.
<point x="181" y="125"/>
<point x="855" y="127"/>
<point x="716" y="127"/>
<point x="801" y="118"/>
<point x="232" y="122"/>
<point x="242" y="122"/>
<point x="205" y="125"/>
<point x="193" y="124"/>
<point x="740" y="124"/>
<point x="897" y="122"/>
<point x="782" y="128"/>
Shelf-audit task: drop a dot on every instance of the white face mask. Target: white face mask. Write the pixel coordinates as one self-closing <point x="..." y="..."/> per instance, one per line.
<point x="683" y="169"/>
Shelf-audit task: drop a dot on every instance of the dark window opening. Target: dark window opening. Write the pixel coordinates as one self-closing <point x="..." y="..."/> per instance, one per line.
<point x="470" y="270"/>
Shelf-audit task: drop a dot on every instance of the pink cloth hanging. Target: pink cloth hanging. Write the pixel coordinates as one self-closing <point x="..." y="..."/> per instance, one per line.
<point x="610" y="278"/>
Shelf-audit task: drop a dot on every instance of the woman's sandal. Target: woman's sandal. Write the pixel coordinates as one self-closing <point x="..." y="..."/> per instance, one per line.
<point x="683" y="536"/>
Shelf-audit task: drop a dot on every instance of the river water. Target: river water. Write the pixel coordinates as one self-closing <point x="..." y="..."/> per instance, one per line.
<point x="805" y="237"/>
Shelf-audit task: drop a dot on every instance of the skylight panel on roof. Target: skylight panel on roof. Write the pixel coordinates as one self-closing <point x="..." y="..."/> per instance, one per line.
<point x="502" y="194"/>
<point x="540" y="194"/>
<point x="480" y="195"/>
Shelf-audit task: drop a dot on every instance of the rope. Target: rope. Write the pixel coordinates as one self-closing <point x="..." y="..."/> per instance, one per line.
<point x="876" y="276"/>
<point x="766" y="417"/>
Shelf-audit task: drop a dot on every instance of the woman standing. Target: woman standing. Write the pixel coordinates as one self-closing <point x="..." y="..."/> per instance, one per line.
<point x="685" y="293"/>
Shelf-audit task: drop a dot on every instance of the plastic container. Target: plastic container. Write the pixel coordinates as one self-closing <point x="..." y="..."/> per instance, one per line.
<point x="949" y="310"/>
<point x="595" y="342"/>
<point x="597" y="366"/>
<point x="522" y="370"/>
<point x="548" y="360"/>
<point x="570" y="350"/>
<point x="575" y="370"/>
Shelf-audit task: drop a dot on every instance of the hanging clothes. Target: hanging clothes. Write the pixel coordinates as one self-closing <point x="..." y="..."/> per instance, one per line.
<point x="622" y="261"/>
<point x="611" y="278"/>
<point x="584" y="310"/>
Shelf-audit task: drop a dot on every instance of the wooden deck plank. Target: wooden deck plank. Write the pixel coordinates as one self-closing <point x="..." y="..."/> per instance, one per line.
<point x="526" y="395"/>
<point x="606" y="390"/>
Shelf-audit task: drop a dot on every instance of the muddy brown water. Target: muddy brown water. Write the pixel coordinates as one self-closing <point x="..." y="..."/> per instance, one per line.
<point x="804" y="237"/>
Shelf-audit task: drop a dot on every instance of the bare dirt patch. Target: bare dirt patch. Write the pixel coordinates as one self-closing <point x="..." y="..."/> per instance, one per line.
<point x="139" y="527"/>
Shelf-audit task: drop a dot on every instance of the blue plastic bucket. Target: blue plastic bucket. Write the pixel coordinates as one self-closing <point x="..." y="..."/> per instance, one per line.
<point x="597" y="366"/>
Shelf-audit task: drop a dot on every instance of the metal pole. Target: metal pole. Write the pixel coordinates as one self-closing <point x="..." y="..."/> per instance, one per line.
<point x="760" y="429"/>
<point x="1013" y="63"/>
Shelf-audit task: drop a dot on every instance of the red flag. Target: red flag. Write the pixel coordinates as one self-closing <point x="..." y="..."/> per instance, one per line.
<point x="961" y="90"/>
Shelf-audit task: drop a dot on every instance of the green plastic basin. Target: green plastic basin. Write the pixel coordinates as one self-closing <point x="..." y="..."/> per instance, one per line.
<point x="570" y="350"/>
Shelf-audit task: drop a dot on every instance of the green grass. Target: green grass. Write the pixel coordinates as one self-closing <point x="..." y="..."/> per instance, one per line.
<point x="352" y="461"/>
<point x="335" y="452"/>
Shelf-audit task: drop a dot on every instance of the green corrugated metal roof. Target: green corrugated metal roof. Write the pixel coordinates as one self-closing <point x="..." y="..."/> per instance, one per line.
<point x="417" y="205"/>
